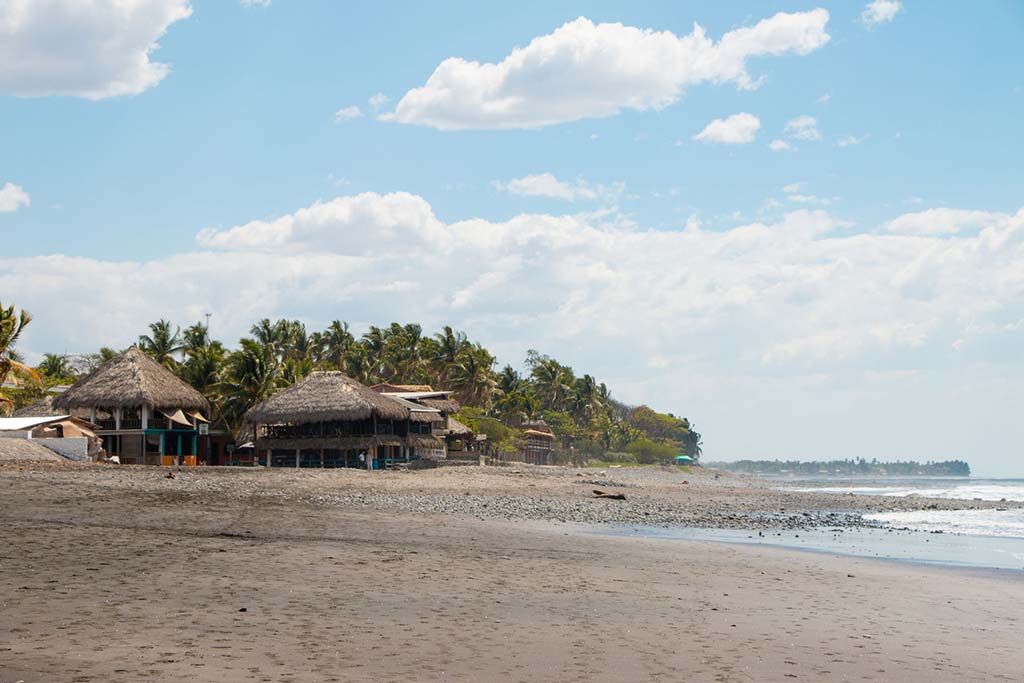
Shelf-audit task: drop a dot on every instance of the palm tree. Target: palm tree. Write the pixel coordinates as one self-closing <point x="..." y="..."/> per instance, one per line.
<point x="445" y="353"/>
<point x="203" y="366"/>
<point x="162" y="343"/>
<point x="55" y="367"/>
<point x="471" y="377"/>
<point x="195" y="337"/>
<point x="250" y="375"/>
<point x="375" y="342"/>
<point x="335" y="342"/>
<point x="11" y="365"/>
<point x="552" y="383"/>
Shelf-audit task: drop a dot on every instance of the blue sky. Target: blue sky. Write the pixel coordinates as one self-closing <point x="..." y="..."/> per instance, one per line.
<point x="859" y="293"/>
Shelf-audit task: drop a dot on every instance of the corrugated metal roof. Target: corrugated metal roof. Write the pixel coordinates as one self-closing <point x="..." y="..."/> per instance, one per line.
<point x="20" y="424"/>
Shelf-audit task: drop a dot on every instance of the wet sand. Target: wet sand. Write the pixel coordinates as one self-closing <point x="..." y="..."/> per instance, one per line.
<point x="121" y="575"/>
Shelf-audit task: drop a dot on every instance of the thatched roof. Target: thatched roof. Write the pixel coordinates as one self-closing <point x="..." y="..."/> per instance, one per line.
<point x="41" y="408"/>
<point x="128" y="380"/>
<point x="456" y="428"/>
<point x="391" y="388"/>
<point x="325" y="396"/>
<point x="447" y="406"/>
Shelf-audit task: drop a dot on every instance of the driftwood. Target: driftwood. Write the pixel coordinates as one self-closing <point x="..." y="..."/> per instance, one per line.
<point x="614" y="496"/>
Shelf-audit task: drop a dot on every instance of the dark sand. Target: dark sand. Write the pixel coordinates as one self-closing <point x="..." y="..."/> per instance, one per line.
<point x="120" y="575"/>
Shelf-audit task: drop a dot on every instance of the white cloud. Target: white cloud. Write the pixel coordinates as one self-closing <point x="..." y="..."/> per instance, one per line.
<point x="586" y="70"/>
<point x="757" y="309"/>
<point x="824" y="99"/>
<point x="738" y="129"/>
<point x="93" y="49"/>
<point x="803" y="128"/>
<point x="814" y="297"/>
<point x="13" y="197"/>
<point x="256" y="3"/>
<point x="347" y="114"/>
<point x="943" y="221"/>
<point x="377" y="101"/>
<point x="547" y="185"/>
<point x="780" y="146"/>
<point x="880" y="12"/>
<point x="793" y="187"/>
<point x="850" y="140"/>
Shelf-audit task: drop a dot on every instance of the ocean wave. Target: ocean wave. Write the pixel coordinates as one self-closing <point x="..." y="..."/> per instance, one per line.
<point x="959" y="492"/>
<point x="1002" y="523"/>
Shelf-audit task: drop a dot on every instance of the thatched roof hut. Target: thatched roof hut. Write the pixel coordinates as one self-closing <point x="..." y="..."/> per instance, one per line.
<point x="324" y="397"/>
<point x="456" y="428"/>
<point x="41" y="408"/>
<point x="131" y="379"/>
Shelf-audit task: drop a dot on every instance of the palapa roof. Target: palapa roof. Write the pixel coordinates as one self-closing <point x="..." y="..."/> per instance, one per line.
<point x="128" y="380"/>
<point x="41" y="408"/>
<point x="325" y="396"/>
<point x="384" y="387"/>
<point x="456" y="428"/>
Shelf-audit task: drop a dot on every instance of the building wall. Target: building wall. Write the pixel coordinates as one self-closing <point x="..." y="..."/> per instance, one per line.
<point x="72" y="447"/>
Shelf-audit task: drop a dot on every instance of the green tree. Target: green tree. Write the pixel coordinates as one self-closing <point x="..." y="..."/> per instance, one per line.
<point x="163" y="343"/>
<point x="11" y="363"/>
<point x="251" y="374"/>
<point x="649" y="452"/>
<point x="55" y="368"/>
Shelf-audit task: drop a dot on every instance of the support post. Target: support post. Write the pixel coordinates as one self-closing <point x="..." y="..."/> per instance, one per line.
<point x="298" y="453"/>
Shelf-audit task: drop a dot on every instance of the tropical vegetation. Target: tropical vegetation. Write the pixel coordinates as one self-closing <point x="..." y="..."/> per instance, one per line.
<point x="580" y="410"/>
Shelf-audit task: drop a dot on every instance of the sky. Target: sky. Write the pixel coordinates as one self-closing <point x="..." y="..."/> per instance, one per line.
<point x="799" y="224"/>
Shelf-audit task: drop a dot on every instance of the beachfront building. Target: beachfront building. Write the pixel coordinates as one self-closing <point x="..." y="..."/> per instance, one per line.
<point x="537" y="445"/>
<point x="331" y="420"/>
<point x="451" y="433"/>
<point x="143" y="412"/>
<point x="66" y="435"/>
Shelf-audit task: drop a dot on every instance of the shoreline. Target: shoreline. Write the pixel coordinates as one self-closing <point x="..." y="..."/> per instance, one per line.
<point x="124" y="575"/>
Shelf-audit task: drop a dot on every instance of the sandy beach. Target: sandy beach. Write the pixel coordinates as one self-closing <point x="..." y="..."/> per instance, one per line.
<point x="123" y="574"/>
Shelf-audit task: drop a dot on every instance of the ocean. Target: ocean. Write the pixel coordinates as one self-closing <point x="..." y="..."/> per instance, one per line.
<point x="990" y="539"/>
<point x="1000" y="523"/>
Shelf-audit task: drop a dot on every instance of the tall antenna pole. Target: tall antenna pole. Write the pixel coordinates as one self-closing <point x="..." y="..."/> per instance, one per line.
<point x="208" y="325"/>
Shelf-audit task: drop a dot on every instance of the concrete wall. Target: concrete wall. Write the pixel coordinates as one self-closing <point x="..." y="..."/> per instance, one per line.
<point x="72" y="448"/>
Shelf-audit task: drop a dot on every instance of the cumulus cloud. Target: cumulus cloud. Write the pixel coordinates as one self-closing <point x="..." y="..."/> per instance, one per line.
<point x="803" y="128"/>
<point x="256" y="3"/>
<point x="547" y="185"/>
<point x="587" y="70"/>
<point x="880" y="12"/>
<point x="794" y="293"/>
<point x="780" y="146"/>
<point x="377" y="101"/>
<point x="12" y="197"/>
<point x="944" y="221"/>
<point x="738" y="129"/>
<point x="347" y="114"/>
<point x="93" y="49"/>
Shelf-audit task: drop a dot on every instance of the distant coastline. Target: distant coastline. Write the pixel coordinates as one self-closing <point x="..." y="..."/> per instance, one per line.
<point x="846" y="468"/>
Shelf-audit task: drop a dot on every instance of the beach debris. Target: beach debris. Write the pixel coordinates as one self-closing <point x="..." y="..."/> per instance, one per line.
<point x="169" y="475"/>
<point x="244" y="609"/>
<point x="598" y="493"/>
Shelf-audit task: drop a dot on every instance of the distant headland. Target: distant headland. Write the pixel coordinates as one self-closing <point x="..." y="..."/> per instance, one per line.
<point x="857" y="467"/>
